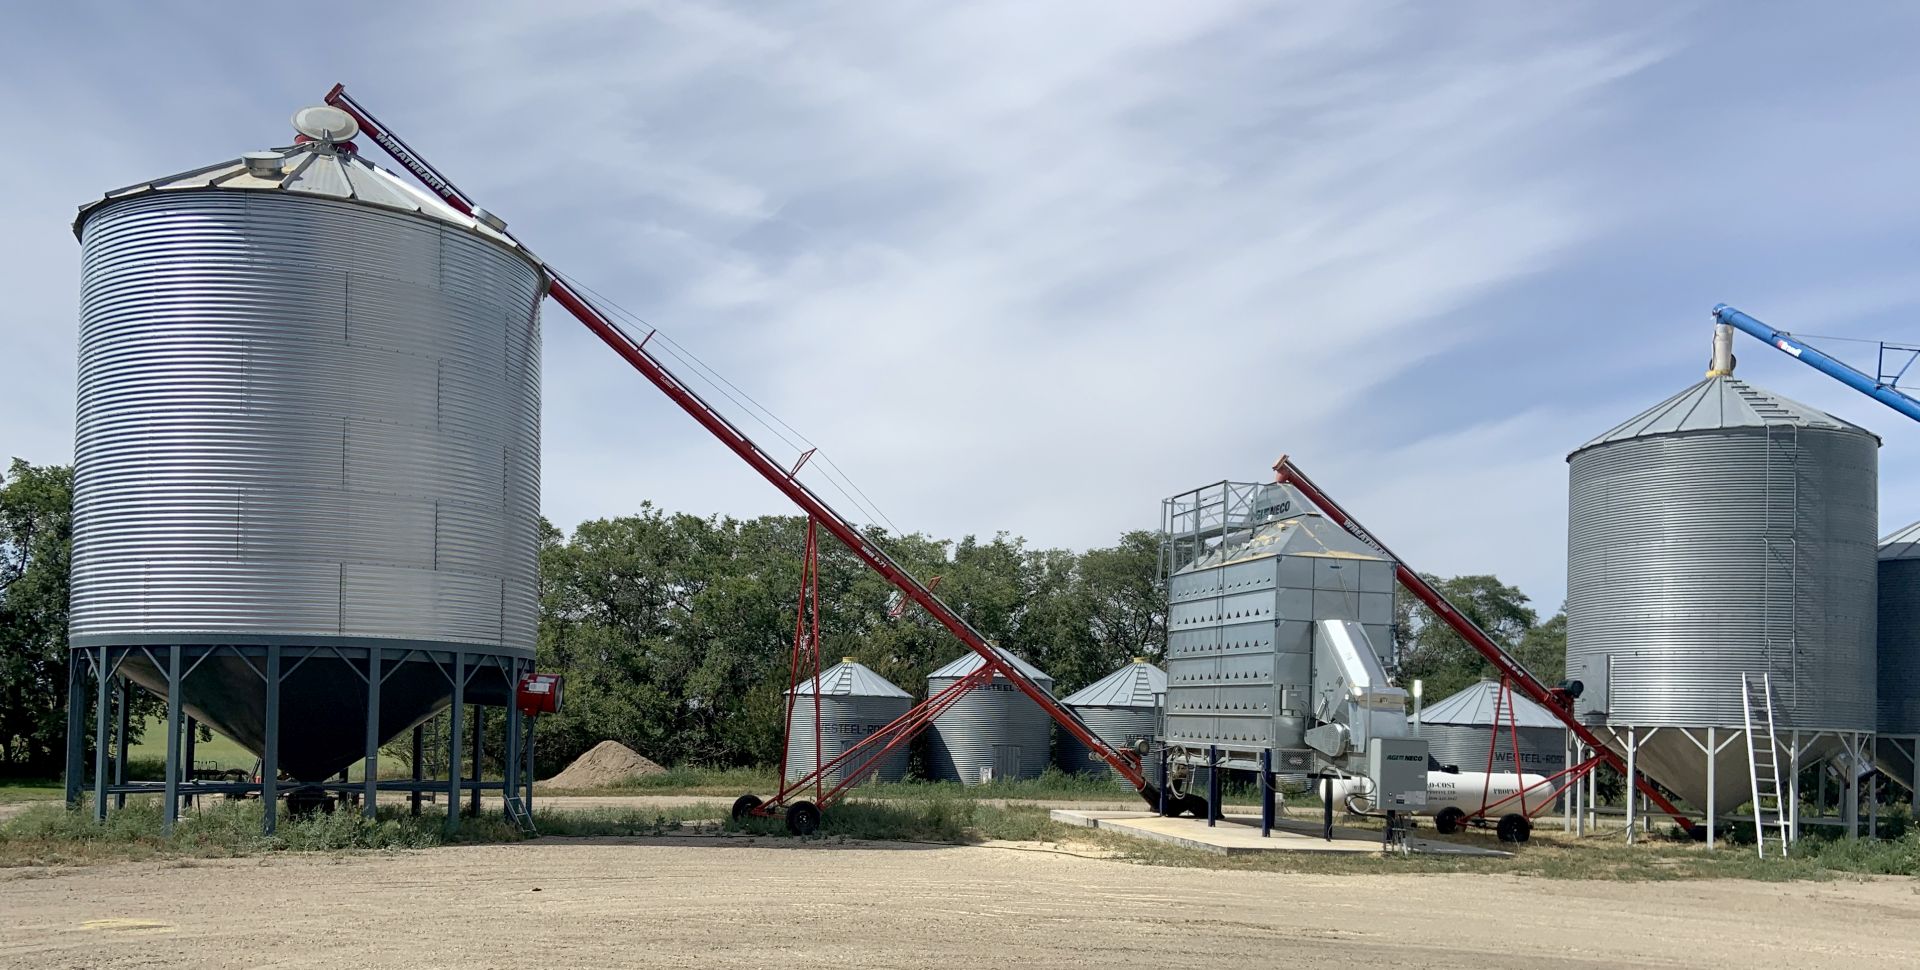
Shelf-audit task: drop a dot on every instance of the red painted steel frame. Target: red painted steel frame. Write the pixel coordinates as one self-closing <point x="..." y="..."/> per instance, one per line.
<point x="894" y="734"/>
<point x="1287" y="473"/>
<point x="806" y="650"/>
<point x="843" y="529"/>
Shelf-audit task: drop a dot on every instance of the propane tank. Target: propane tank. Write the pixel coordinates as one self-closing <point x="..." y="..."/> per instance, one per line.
<point x="1464" y="790"/>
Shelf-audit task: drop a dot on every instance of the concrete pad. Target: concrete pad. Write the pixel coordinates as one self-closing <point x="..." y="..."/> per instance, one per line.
<point x="1240" y="834"/>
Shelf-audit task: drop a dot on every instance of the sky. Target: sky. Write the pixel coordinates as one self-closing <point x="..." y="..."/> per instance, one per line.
<point x="1034" y="267"/>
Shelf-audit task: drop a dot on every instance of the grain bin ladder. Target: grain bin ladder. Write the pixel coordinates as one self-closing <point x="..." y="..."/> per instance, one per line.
<point x="634" y="351"/>
<point x="1287" y="473"/>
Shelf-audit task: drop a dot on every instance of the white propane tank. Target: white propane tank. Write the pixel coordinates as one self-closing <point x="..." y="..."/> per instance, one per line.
<point x="1466" y="791"/>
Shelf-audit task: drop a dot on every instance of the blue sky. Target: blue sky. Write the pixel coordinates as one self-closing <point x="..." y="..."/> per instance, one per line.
<point x="1034" y="267"/>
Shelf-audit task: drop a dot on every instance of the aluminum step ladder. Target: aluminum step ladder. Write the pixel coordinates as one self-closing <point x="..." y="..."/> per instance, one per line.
<point x="1763" y="762"/>
<point x="521" y="818"/>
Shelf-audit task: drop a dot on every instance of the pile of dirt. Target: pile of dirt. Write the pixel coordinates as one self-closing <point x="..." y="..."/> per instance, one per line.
<point x="607" y="763"/>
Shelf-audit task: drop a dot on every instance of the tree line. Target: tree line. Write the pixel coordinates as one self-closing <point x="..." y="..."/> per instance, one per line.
<point x="674" y="630"/>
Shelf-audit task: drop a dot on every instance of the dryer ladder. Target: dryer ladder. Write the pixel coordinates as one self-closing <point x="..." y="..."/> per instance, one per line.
<point x="1763" y="762"/>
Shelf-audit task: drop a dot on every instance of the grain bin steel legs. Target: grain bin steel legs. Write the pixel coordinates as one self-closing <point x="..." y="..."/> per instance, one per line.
<point x="172" y="672"/>
<point x="370" y="794"/>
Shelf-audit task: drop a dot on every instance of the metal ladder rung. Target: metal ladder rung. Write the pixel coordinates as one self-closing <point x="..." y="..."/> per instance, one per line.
<point x="1763" y="764"/>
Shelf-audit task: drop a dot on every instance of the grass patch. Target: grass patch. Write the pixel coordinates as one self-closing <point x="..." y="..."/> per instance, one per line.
<point x="15" y="790"/>
<point x="52" y="835"/>
<point x="695" y="780"/>
<point x="729" y="783"/>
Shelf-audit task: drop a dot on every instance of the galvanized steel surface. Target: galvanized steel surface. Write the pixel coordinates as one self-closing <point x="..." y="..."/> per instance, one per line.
<point x="1120" y="708"/>
<point x="1240" y="631"/>
<point x="1720" y="404"/>
<point x="1695" y="556"/>
<point x="1135" y="685"/>
<point x="1485" y="704"/>
<point x="1542" y="750"/>
<point x="303" y="418"/>
<point x="993" y="727"/>
<point x="1899" y="632"/>
<point x="844" y="720"/>
<point x="1117" y="726"/>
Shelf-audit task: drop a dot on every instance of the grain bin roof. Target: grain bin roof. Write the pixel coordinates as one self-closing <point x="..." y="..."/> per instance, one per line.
<point x="1475" y="706"/>
<point x="1904" y="544"/>
<point x="850" y="679"/>
<point x="970" y="662"/>
<point x="1131" y="686"/>
<point x="314" y="169"/>
<point x="1719" y="403"/>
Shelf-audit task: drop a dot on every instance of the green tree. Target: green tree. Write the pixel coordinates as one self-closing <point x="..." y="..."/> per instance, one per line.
<point x="36" y="543"/>
<point x="1430" y="651"/>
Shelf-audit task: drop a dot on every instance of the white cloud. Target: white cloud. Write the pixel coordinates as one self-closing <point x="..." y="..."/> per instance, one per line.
<point x="1022" y="266"/>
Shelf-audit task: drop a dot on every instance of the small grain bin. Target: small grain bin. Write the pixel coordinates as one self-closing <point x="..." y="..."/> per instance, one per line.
<point x="853" y="702"/>
<point x="993" y="732"/>
<point x="1899" y="656"/>
<point x="1120" y="708"/>
<point x="1460" y="729"/>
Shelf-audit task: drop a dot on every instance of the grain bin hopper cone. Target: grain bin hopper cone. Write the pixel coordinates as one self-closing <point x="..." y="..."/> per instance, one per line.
<point x="307" y="448"/>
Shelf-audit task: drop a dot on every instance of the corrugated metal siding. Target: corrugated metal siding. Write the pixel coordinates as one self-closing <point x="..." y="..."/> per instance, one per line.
<point x="1543" y="751"/>
<point x="1119" y="727"/>
<point x="844" y="720"/>
<point x="982" y="729"/>
<point x="1899" y="654"/>
<point x="300" y="417"/>
<point x="1693" y="557"/>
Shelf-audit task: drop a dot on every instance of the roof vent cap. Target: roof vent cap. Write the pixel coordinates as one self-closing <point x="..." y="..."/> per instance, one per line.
<point x="325" y="123"/>
<point x="265" y="165"/>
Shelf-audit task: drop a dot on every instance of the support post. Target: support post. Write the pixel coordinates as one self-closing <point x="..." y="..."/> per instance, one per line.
<point x="1568" y="794"/>
<point x="102" y="719"/>
<point x="419" y="756"/>
<point x="1713" y="759"/>
<point x="76" y="727"/>
<point x="1873" y="806"/>
<point x="123" y="690"/>
<point x="370" y="794"/>
<point x="1580" y="795"/>
<point x="1266" y="793"/>
<point x="479" y="748"/>
<point x="1793" y="788"/>
<point x="270" y="753"/>
<point x="1851" y="787"/>
<point x="170" y="805"/>
<point x="1166" y="763"/>
<point x="455" y="740"/>
<point x="1213" y="784"/>
<point x="1326" y="809"/>
<point x="510" y="783"/>
<point x="190" y="735"/>
<point x="531" y="723"/>
<point x="1632" y="778"/>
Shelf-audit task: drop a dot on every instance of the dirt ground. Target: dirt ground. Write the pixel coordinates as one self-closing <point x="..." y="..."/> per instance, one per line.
<point x="696" y="903"/>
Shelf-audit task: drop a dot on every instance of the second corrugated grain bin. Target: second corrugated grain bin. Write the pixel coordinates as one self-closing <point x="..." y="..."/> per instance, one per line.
<point x="853" y="702"/>
<point x="1464" y="729"/>
<point x="992" y="733"/>
<point x="1899" y="655"/>
<point x="1120" y="708"/>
